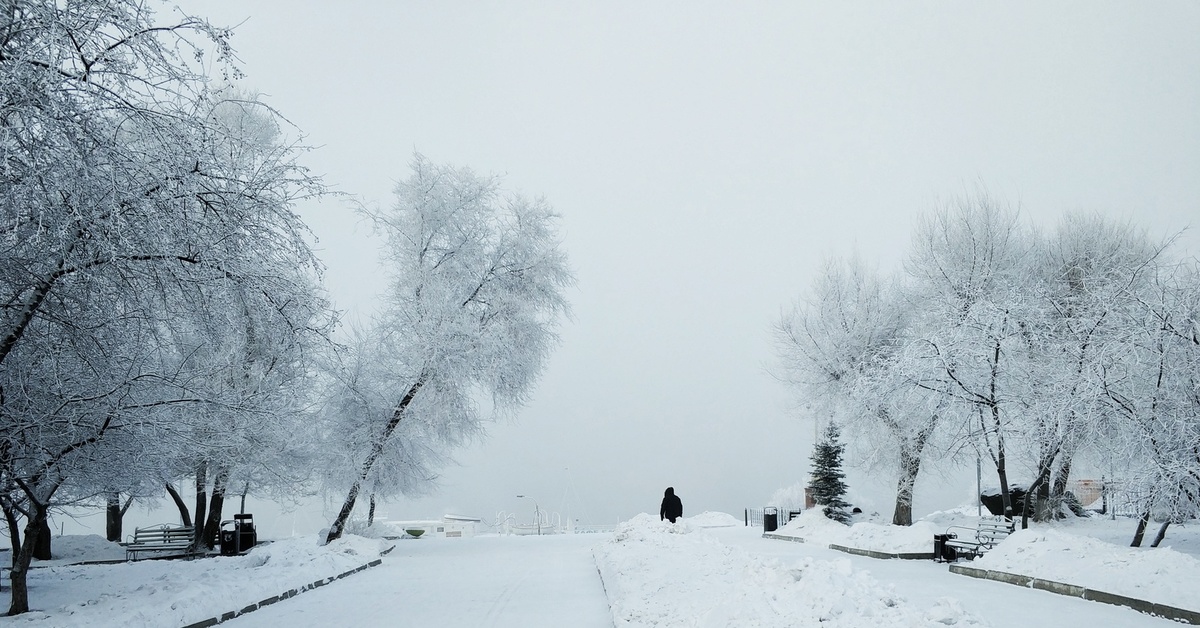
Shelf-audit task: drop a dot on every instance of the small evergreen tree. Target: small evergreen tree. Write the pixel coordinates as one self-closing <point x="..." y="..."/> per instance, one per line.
<point x="828" y="489"/>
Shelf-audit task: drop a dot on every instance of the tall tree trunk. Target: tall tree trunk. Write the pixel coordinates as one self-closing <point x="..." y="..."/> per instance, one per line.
<point x="185" y="517"/>
<point x="1141" y="529"/>
<point x="1063" y="477"/>
<point x="1162" y="533"/>
<point x="14" y="530"/>
<point x="41" y="546"/>
<point x="113" y="517"/>
<point x="371" y="512"/>
<point x="201" y="502"/>
<point x="212" y="526"/>
<point x="18" y="576"/>
<point x="245" y="489"/>
<point x="910" y="465"/>
<point x="1001" y="469"/>
<point x="339" y="524"/>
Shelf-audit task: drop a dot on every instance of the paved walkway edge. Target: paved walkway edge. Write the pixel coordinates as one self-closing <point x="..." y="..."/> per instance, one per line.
<point x="856" y="551"/>
<point x="224" y="617"/>
<point x="1142" y="606"/>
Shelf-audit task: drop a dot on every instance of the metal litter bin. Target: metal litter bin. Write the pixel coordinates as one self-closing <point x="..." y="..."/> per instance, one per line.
<point x="941" y="551"/>
<point x="238" y="534"/>
<point x="770" y="519"/>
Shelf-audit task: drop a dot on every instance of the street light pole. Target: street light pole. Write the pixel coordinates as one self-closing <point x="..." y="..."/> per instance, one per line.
<point x="537" y="513"/>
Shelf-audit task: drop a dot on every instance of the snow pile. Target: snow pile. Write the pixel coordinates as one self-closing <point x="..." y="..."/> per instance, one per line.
<point x="1160" y="575"/>
<point x="711" y="519"/>
<point x="814" y="527"/>
<point x="662" y="575"/>
<point x="78" y="548"/>
<point x="177" y="592"/>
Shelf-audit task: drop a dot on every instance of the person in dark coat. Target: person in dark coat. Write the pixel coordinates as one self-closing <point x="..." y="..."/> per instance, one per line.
<point x="672" y="507"/>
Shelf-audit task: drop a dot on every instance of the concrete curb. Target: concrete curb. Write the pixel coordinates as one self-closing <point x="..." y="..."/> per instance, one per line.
<point x="1141" y="606"/>
<point x="854" y="550"/>
<point x="781" y="537"/>
<point x="882" y="555"/>
<point x="213" y="621"/>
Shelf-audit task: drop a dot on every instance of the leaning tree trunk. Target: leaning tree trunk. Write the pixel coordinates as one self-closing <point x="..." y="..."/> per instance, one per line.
<point x="201" y="502"/>
<point x="1162" y="533"/>
<point x="339" y="524"/>
<point x="371" y="512"/>
<point x="212" y="526"/>
<point x="185" y="517"/>
<point x="1143" y="521"/>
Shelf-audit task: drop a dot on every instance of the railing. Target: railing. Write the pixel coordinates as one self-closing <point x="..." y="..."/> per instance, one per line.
<point x="754" y="516"/>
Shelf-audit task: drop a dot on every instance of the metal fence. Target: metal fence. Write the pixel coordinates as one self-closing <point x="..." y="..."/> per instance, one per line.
<point x="754" y="516"/>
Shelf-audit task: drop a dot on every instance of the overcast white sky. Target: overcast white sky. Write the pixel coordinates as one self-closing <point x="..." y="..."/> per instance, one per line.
<point x="705" y="157"/>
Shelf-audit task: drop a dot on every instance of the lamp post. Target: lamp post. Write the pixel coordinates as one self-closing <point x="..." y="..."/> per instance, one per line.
<point x="537" y="513"/>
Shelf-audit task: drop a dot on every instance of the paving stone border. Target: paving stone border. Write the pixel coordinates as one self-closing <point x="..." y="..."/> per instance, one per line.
<point x="1142" y="606"/>
<point x="783" y="537"/>
<point x="856" y="551"/>
<point x="290" y="593"/>
<point x="883" y="555"/>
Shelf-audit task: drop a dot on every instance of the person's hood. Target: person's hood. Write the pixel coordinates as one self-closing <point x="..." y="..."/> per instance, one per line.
<point x="670" y="492"/>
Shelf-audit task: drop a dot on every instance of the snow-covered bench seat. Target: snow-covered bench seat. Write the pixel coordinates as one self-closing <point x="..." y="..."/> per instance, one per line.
<point x="984" y="536"/>
<point x="160" y="538"/>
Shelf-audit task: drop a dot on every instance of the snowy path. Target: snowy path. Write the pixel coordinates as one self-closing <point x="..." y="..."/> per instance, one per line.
<point x="552" y="580"/>
<point x="923" y="582"/>
<point x="482" y="581"/>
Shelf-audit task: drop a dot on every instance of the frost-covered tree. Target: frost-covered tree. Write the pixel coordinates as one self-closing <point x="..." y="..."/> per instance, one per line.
<point x="828" y="480"/>
<point x="1092" y="273"/>
<point x="123" y="218"/>
<point x="476" y="290"/>
<point x="841" y="348"/>
<point x="968" y="267"/>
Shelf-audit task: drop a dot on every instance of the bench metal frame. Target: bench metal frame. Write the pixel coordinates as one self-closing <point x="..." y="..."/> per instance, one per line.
<point x="985" y="535"/>
<point x="160" y="538"/>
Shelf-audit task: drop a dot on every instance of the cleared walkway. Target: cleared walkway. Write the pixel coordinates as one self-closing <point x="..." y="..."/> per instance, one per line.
<point x="482" y="581"/>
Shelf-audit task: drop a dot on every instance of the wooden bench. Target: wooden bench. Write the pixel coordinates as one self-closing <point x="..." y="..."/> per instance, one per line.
<point x="984" y="536"/>
<point x="160" y="538"/>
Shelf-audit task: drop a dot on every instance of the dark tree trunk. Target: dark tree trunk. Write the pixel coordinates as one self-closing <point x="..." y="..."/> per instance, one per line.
<point x="339" y="524"/>
<point x="245" y="489"/>
<point x="201" y="502"/>
<point x="185" y="518"/>
<point x="1141" y="529"/>
<point x="114" y="517"/>
<point x="41" y="547"/>
<point x="212" y="527"/>
<point x="371" y="512"/>
<point x="1162" y="533"/>
<point x="14" y="530"/>
<point x="18" y="577"/>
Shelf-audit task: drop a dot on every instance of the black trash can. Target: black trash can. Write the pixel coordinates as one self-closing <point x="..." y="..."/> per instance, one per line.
<point x="247" y="535"/>
<point x="229" y="538"/>
<point x="941" y="551"/>
<point x="770" y="519"/>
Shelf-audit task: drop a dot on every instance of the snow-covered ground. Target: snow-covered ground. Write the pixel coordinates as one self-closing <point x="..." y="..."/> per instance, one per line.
<point x="1090" y="552"/>
<point x="707" y="570"/>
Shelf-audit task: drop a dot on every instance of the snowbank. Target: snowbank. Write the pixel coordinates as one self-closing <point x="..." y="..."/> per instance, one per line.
<point x="711" y="519"/>
<point x="1160" y="575"/>
<point x="175" y="593"/>
<point x="814" y="527"/>
<point x="662" y="575"/>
